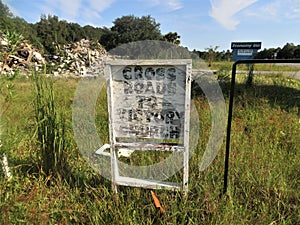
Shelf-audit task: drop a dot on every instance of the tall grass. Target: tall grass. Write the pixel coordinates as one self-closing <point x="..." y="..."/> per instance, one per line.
<point x="6" y="96"/>
<point x="264" y="175"/>
<point x="50" y="127"/>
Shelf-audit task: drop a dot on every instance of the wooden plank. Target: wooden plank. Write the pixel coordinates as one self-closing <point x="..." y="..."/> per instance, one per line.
<point x="113" y="155"/>
<point x="187" y="127"/>
<point x="149" y="146"/>
<point x="145" y="183"/>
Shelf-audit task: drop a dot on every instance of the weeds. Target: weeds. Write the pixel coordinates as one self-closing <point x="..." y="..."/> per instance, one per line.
<point x="250" y="76"/>
<point x="7" y="94"/>
<point x="14" y="41"/>
<point x="264" y="176"/>
<point x="50" y="125"/>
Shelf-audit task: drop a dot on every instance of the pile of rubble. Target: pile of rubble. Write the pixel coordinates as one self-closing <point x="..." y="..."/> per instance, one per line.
<point x="73" y="59"/>
<point x="24" y="58"/>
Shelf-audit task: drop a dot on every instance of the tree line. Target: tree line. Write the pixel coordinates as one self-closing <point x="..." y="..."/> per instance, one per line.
<point x="50" y="33"/>
<point x="288" y="51"/>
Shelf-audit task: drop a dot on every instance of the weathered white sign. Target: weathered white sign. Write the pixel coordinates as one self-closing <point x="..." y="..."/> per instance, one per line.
<point x="149" y="104"/>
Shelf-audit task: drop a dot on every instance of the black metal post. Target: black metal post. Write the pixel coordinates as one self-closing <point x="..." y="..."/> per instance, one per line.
<point x="230" y="110"/>
<point x="232" y="86"/>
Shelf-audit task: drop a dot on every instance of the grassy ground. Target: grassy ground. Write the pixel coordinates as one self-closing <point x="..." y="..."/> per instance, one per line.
<point x="260" y="67"/>
<point x="264" y="175"/>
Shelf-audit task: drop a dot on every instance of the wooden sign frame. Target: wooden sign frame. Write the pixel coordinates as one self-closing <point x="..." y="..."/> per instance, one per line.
<point x="149" y="109"/>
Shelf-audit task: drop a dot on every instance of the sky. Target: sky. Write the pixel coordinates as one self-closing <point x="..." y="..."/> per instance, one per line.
<point x="200" y="23"/>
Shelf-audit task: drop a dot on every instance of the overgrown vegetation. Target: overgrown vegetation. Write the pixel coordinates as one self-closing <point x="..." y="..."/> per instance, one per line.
<point x="52" y="141"/>
<point x="264" y="163"/>
<point x="53" y="184"/>
<point x="250" y="76"/>
<point x="7" y="95"/>
<point x="14" y="41"/>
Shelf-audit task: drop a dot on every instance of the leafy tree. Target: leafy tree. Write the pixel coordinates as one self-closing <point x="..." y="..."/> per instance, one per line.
<point x="129" y="29"/>
<point x="211" y="54"/>
<point x="109" y="39"/>
<point x="75" y="32"/>
<point x="297" y="52"/>
<point x="5" y="17"/>
<point x="151" y="49"/>
<point x="52" y="33"/>
<point x="225" y="55"/>
<point x="266" y="53"/>
<point x="11" y="23"/>
<point x="287" y="52"/>
<point x="45" y="34"/>
<point x="92" y="33"/>
<point x="172" y="37"/>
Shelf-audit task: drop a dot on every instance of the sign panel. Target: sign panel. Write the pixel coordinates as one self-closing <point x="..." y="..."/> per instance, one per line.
<point x="149" y="102"/>
<point x="244" y="50"/>
<point x="149" y="109"/>
<point x="246" y="45"/>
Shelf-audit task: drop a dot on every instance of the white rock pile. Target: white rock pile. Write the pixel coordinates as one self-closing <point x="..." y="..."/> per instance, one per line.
<point x="72" y="60"/>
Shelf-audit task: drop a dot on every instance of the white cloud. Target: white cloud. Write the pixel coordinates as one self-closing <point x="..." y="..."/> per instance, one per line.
<point x="93" y="8"/>
<point x="73" y="9"/>
<point x="68" y="9"/>
<point x="271" y="9"/>
<point x="278" y="10"/>
<point x="151" y="3"/>
<point x="169" y="5"/>
<point x="100" y="5"/>
<point x="294" y="9"/>
<point x="224" y="10"/>
<point x="174" y="4"/>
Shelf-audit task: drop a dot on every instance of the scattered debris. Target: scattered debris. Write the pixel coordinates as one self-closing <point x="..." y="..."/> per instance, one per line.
<point x="156" y="202"/>
<point x="73" y="59"/>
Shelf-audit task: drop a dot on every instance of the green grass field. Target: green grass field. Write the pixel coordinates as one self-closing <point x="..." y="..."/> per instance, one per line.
<point x="259" y="67"/>
<point x="264" y="172"/>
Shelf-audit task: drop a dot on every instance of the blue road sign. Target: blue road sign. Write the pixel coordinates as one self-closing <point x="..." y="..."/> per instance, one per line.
<point x="244" y="50"/>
